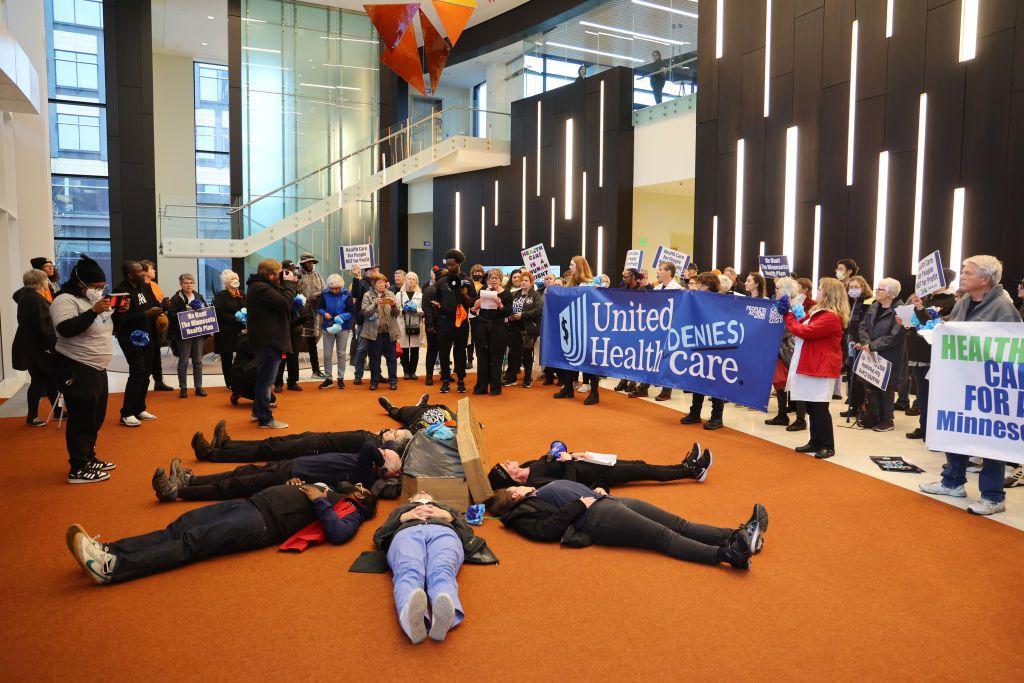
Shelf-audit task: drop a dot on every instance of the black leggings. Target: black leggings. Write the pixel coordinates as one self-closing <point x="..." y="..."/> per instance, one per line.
<point x="43" y="383"/>
<point x="629" y="471"/>
<point x="226" y="358"/>
<point x="491" y="342"/>
<point x="636" y="524"/>
<point x="820" y="424"/>
<point x="784" y="402"/>
<point x="240" y="482"/>
<point x="290" y="446"/>
<point x="291" y="360"/>
<point x="410" y="359"/>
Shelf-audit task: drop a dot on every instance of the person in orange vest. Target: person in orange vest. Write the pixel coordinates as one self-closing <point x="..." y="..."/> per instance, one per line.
<point x="46" y="265"/>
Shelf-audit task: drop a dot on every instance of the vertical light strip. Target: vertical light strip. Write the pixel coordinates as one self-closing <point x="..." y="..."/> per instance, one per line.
<point x="569" y="173"/>
<point x="968" y="29"/>
<point x="495" y="203"/>
<point x="853" y="103"/>
<point x="761" y="248"/>
<point x="816" y="262"/>
<point x="922" y="124"/>
<point x="767" y="57"/>
<point x="600" y="139"/>
<point x="600" y="248"/>
<point x="956" y="241"/>
<point x="383" y="170"/>
<point x="737" y="258"/>
<point x="538" y="146"/>
<point x="789" y="208"/>
<point x="552" y="222"/>
<point x="523" y="208"/>
<point x="881" y="209"/>
<point x="583" y="219"/>
<point x="714" y="242"/>
<point x="458" y="219"/>
<point x="483" y="225"/>
<point x="888" y="18"/>
<point x="719" y="28"/>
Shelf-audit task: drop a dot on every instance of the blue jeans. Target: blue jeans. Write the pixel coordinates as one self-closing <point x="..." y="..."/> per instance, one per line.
<point x="384" y="346"/>
<point x="267" y="361"/>
<point x="362" y="348"/>
<point x="426" y="556"/>
<point x="990" y="481"/>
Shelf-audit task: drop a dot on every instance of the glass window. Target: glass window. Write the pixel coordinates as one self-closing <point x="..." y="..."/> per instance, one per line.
<point x="78" y="131"/>
<point x="80" y="207"/>
<point x="69" y="250"/>
<point x="76" y="70"/>
<point x="480" y="104"/>
<point x="81" y="12"/>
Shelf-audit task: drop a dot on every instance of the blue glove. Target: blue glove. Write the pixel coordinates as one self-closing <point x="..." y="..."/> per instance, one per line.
<point x="334" y="329"/>
<point x="409" y="306"/>
<point x="475" y="514"/>
<point x="299" y="301"/>
<point x="439" y="432"/>
<point x="782" y="305"/>
<point x="345" y="317"/>
<point x="372" y="318"/>
<point x="196" y="304"/>
<point x="914" y="321"/>
<point x="242" y="316"/>
<point x="931" y="324"/>
<point x="140" y="338"/>
<point x="798" y="311"/>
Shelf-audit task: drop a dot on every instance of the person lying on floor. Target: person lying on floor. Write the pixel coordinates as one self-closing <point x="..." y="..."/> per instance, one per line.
<point x="420" y="416"/>
<point x="568" y="466"/>
<point x="426" y="543"/>
<point x="579" y="516"/>
<point x="293" y="515"/>
<point x="365" y="467"/>
<point x="225" y="449"/>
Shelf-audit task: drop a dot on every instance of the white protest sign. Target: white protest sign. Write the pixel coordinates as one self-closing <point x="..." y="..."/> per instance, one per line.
<point x="634" y="259"/>
<point x="535" y="259"/>
<point x="930" y="277"/>
<point x="774" y="266"/>
<point x="198" y="322"/>
<point x="873" y="369"/>
<point x="976" y="390"/>
<point x="678" y="258"/>
<point x="357" y="256"/>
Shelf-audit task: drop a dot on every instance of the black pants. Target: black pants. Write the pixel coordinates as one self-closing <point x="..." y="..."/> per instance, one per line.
<point x="233" y="526"/>
<point x="717" y="406"/>
<point x="658" y="86"/>
<point x="516" y="353"/>
<point x="636" y="524"/>
<point x="432" y="351"/>
<point x="157" y="361"/>
<point x="629" y="471"/>
<point x="226" y="359"/>
<point x="882" y="402"/>
<point x="289" y="447"/>
<point x="529" y="343"/>
<point x="291" y="360"/>
<point x="820" y="424"/>
<point x="857" y="392"/>
<point x="410" y="359"/>
<point x="85" y="395"/>
<point x="43" y="383"/>
<point x="921" y="375"/>
<point x="451" y="341"/>
<point x="140" y="366"/>
<point x="567" y="377"/>
<point x="491" y="343"/>
<point x="784" y="403"/>
<point x="383" y="347"/>
<point x="474" y="323"/>
<point x="314" y="358"/>
<point x="240" y="482"/>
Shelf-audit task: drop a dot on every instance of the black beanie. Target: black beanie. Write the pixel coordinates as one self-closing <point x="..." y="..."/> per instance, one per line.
<point x="500" y="478"/>
<point x="39" y="261"/>
<point x="88" y="271"/>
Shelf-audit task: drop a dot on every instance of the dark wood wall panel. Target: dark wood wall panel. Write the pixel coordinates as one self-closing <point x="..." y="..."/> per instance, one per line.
<point x="974" y="138"/>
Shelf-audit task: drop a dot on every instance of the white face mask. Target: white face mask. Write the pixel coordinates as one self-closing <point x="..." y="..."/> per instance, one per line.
<point x="855" y="293"/>
<point x="93" y="295"/>
<point x="840" y="274"/>
<point x="234" y="284"/>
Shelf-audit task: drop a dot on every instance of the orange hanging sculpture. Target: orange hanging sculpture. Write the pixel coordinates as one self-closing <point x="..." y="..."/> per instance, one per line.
<point x="454" y="15"/>
<point x="436" y="49"/>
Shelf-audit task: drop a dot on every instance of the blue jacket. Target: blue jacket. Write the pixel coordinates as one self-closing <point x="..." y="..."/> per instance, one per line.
<point x="336" y="304"/>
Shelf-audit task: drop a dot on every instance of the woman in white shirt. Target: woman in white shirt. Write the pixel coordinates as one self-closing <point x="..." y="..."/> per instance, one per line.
<point x="410" y="321"/>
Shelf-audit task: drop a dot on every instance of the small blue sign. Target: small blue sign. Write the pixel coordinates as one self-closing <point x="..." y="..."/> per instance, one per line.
<point x="198" y="323"/>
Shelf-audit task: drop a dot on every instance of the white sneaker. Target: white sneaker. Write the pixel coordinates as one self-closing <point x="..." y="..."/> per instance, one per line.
<point x="253" y="418"/>
<point x="130" y="421"/>
<point x="97" y="562"/>
<point x="413" y="617"/>
<point x="1015" y="478"/>
<point x="937" y="489"/>
<point x="442" y="616"/>
<point x="146" y="416"/>
<point x="275" y="424"/>
<point x="986" y="507"/>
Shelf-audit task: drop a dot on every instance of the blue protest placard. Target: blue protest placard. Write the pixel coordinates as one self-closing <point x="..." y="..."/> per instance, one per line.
<point x="357" y="256"/>
<point x="714" y="344"/>
<point x="774" y="266"/>
<point x="680" y="259"/>
<point x="198" y="323"/>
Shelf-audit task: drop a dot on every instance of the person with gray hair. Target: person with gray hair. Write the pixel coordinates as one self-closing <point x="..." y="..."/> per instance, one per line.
<point x="336" y="311"/>
<point x="228" y="303"/>
<point x="881" y="333"/>
<point x="186" y="299"/>
<point x="34" y="340"/>
<point x="984" y="300"/>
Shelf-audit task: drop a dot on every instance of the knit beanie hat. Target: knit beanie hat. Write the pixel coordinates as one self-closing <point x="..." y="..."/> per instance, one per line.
<point x="88" y="271"/>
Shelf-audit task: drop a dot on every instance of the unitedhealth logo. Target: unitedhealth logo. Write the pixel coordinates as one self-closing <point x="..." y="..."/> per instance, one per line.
<point x="572" y="331"/>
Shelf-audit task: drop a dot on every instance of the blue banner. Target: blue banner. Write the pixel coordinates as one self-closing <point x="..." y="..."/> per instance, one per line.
<point x="719" y="345"/>
<point x="198" y="323"/>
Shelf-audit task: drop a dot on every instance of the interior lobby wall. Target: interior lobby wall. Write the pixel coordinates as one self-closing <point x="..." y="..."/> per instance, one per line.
<point x="661" y="219"/>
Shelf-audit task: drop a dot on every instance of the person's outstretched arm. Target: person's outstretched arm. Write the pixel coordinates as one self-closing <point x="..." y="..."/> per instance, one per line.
<point x="338" y="530"/>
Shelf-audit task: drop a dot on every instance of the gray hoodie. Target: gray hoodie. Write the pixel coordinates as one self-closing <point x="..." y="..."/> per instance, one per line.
<point x="996" y="307"/>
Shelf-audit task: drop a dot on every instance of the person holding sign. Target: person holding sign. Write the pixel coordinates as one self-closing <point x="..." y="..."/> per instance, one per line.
<point x="919" y="351"/>
<point x="187" y="299"/>
<point x="817" y="360"/>
<point x="881" y="333"/>
<point x="666" y="275"/>
<point x="524" y="328"/>
<point x="705" y="282"/>
<point x="492" y="310"/>
<point x="134" y="331"/>
<point x="984" y="300"/>
<point x="579" y="275"/>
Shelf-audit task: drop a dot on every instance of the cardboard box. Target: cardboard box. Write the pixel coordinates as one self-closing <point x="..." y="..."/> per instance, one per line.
<point x="457" y="492"/>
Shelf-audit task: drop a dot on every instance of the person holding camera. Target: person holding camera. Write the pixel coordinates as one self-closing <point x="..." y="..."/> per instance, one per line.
<point x="269" y="299"/>
<point x="134" y="335"/>
<point x="296" y="323"/>
<point x="85" y="344"/>
<point x="452" y="298"/>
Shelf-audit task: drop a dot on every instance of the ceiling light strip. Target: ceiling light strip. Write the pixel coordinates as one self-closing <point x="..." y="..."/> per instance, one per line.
<point x="968" y="29"/>
<point x="569" y="172"/>
<point x="636" y="34"/>
<point x="956" y="241"/>
<point x="922" y="125"/>
<point x="767" y="52"/>
<point x="816" y="262"/>
<point x="853" y="102"/>
<point x="789" y="207"/>
<point x="881" y="211"/>
<point x="595" y="52"/>
<point x="737" y="258"/>
<point x="719" y="28"/>
<point x="673" y="10"/>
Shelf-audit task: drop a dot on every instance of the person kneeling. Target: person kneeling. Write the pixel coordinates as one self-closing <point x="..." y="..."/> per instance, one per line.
<point x="293" y="515"/>
<point x="426" y="543"/>
<point x="579" y="516"/>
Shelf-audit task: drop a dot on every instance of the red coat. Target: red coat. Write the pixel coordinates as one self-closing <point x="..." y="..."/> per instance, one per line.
<point x="822" y="353"/>
<point x="313" y="533"/>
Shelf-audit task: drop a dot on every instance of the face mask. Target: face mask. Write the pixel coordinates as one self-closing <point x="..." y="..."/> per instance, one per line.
<point x="478" y="277"/>
<point x="93" y="295"/>
<point x="855" y="293"/>
<point x="840" y="274"/>
<point x="234" y="284"/>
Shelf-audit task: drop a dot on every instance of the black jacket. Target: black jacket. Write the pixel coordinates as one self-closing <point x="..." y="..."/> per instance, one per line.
<point x="474" y="546"/>
<point x="269" y="310"/>
<point x="497" y="315"/>
<point x="879" y="328"/>
<point x="226" y="341"/>
<point x="541" y="521"/>
<point x="359" y="288"/>
<point x="533" y="308"/>
<point x="450" y="292"/>
<point x="544" y="471"/>
<point x="429" y="312"/>
<point x="918" y="350"/>
<point x="180" y="305"/>
<point x="34" y="337"/>
<point x="141" y="300"/>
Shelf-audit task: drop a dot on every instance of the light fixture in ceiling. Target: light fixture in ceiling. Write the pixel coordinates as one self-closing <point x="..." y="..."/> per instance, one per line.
<point x="595" y="52"/>
<point x="635" y="34"/>
<point x="673" y="10"/>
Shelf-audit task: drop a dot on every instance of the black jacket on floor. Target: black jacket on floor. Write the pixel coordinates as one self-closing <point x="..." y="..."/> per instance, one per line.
<point x="541" y="521"/>
<point x="269" y="310"/>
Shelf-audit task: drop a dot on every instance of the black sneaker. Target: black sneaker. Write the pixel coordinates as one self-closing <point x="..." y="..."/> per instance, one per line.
<point x="393" y="386"/>
<point x="780" y="420"/>
<point x="86" y="475"/>
<point x="479" y="391"/>
<point x="294" y="387"/>
<point x="756" y="526"/>
<point x="901" y="404"/>
<point x="326" y="384"/>
<point x="341" y="384"/>
<point x="702" y="464"/>
<point x="737" y="551"/>
<point x="824" y="453"/>
<point x="623" y="385"/>
<point x="690" y="419"/>
<point x="460" y="387"/>
<point x="35" y="422"/>
<point x="97" y="464"/>
<point x="424" y="399"/>
<point x="591" y="398"/>
<point x="527" y="383"/>
<point x="916" y="434"/>
<point x="548" y="381"/>
<point x="566" y="392"/>
<point x="357" y="381"/>
<point x="713" y="423"/>
<point x="385" y="403"/>
<point x="797" y="426"/>
<point x="319" y="375"/>
<point x="373" y="385"/>
<point x="445" y="387"/>
<point x="693" y="455"/>
<point x="163" y="387"/>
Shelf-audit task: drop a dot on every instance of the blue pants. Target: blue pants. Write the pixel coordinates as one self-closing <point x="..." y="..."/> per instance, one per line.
<point x="267" y="361"/>
<point x="384" y="346"/>
<point x="426" y="556"/>
<point x="362" y="348"/>
<point x="990" y="481"/>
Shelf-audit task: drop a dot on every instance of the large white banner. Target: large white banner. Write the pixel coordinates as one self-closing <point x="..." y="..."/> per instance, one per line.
<point x="976" y="390"/>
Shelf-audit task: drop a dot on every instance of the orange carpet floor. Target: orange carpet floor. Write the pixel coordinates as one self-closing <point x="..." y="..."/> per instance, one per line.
<point x="858" y="578"/>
